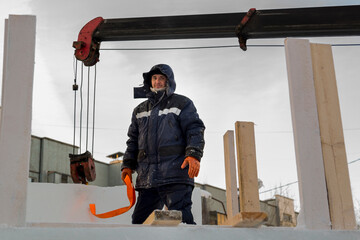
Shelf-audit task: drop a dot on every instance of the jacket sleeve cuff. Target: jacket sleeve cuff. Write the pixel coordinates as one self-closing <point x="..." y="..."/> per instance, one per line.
<point x="194" y="152"/>
<point x="129" y="163"/>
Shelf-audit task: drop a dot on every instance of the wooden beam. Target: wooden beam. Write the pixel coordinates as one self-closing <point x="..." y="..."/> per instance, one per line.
<point x="15" y="127"/>
<point x="332" y="139"/>
<point x="247" y="170"/>
<point x="247" y="219"/>
<point x="314" y="213"/>
<point x="232" y="199"/>
<point x="164" y="218"/>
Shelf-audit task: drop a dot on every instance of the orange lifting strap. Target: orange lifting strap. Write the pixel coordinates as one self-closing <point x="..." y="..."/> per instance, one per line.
<point x="114" y="213"/>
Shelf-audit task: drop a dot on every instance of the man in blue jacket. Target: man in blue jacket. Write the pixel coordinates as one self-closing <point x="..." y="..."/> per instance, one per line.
<point x="165" y="146"/>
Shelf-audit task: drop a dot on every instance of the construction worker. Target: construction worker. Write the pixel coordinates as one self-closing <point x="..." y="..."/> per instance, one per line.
<point x="165" y="146"/>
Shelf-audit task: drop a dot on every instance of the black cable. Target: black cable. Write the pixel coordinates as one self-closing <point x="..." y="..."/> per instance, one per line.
<point x="87" y="111"/>
<point x="75" y="90"/>
<point x="354" y="161"/>
<point x="210" y="47"/>
<point x="345" y="45"/>
<point x="93" y="130"/>
<point x="288" y="184"/>
<point x="81" y="101"/>
<point x="278" y="187"/>
<point x="170" y="48"/>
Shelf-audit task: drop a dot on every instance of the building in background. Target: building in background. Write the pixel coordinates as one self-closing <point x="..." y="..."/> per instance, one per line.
<point x="280" y="209"/>
<point x="49" y="162"/>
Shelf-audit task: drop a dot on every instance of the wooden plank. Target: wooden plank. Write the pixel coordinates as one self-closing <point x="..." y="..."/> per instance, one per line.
<point x="332" y="139"/>
<point x="247" y="170"/>
<point x="15" y="128"/>
<point x="232" y="199"/>
<point x="314" y="213"/>
<point x="164" y="218"/>
<point x="247" y="219"/>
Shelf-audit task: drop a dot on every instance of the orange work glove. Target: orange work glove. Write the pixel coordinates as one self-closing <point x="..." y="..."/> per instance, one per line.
<point x="194" y="166"/>
<point x="126" y="171"/>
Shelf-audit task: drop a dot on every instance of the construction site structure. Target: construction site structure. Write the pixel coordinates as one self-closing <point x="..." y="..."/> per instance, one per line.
<point x="325" y="198"/>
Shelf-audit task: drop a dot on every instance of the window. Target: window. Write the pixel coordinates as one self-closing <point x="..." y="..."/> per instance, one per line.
<point x="64" y="178"/>
<point x="287" y="218"/>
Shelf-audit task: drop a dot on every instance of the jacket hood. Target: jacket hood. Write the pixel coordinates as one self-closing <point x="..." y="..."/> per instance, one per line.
<point x="140" y="92"/>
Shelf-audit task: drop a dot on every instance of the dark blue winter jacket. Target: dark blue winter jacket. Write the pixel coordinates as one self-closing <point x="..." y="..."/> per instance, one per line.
<point x="164" y="130"/>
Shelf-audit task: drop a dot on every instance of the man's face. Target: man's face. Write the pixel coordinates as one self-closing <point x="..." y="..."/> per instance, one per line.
<point x="158" y="81"/>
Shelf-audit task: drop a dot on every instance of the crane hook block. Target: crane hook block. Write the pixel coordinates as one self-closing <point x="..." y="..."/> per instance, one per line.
<point x="87" y="48"/>
<point x="82" y="167"/>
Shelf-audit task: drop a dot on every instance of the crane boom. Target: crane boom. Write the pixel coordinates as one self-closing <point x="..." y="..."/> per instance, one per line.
<point x="255" y="24"/>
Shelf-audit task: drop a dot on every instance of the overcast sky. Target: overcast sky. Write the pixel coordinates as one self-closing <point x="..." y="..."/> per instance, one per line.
<point x="226" y="85"/>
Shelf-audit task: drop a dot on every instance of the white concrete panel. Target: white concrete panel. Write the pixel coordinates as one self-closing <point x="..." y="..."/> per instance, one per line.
<point x="15" y="128"/>
<point x="196" y="207"/>
<point x="314" y="208"/>
<point x="69" y="203"/>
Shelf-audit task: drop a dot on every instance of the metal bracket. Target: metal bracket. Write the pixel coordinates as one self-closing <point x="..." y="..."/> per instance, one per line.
<point x="86" y="48"/>
<point x="242" y="38"/>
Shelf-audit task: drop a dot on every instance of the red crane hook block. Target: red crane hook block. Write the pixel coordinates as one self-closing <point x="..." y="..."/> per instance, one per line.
<point x="82" y="167"/>
<point x="87" y="48"/>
